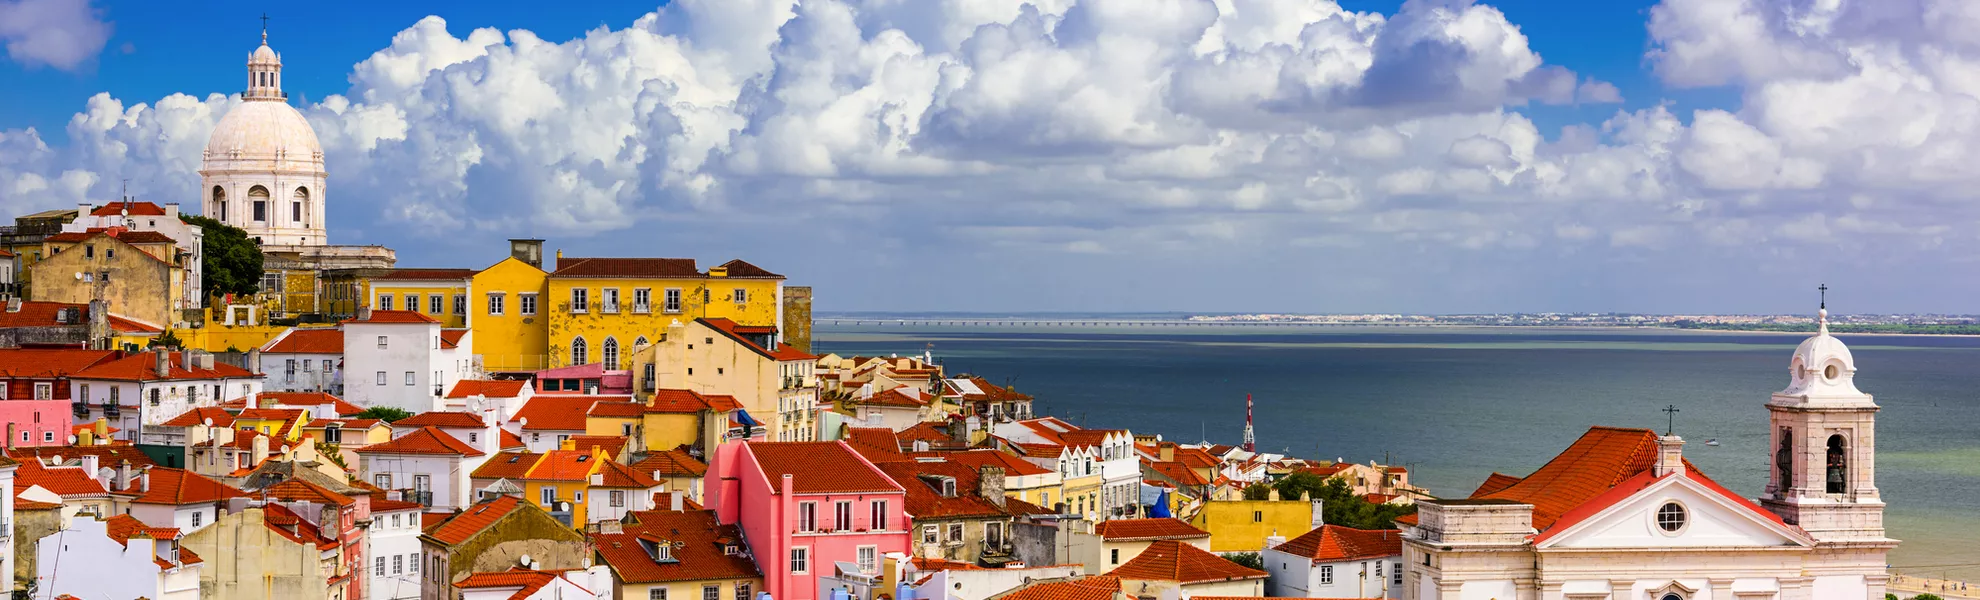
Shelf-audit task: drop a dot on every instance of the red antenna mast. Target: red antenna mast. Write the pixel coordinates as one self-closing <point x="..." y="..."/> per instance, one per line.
<point x="1250" y="442"/>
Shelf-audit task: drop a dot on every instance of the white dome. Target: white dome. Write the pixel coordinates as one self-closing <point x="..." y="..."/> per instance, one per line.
<point x="260" y="130"/>
<point x="264" y="54"/>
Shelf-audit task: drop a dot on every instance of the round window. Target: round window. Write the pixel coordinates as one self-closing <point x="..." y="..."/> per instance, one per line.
<point x="1672" y="597"/>
<point x="1670" y="517"/>
<point x="1831" y="372"/>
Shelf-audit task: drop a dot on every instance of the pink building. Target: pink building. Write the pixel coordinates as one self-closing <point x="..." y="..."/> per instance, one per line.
<point x="584" y="379"/>
<point x="805" y="507"/>
<point x="35" y="393"/>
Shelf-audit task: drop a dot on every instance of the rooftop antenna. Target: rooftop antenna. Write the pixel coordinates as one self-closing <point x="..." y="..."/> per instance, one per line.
<point x="1250" y="442"/>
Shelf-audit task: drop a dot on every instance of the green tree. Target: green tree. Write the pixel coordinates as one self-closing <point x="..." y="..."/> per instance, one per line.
<point x="385" y="413"/>
<point x="167" y="339"/>
<point x="1927" y="597"/>
<point x="1258" y="492"/>
<point x="231" y="261"/>
<point x="1249" y="560"/>
<point x="1338" y="503"/>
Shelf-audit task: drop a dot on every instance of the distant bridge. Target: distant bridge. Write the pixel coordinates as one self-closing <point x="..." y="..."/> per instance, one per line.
<point x="979" y="322"/>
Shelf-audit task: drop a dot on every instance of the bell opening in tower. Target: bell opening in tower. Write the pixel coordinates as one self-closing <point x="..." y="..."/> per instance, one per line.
<point x="1838" y="475"/>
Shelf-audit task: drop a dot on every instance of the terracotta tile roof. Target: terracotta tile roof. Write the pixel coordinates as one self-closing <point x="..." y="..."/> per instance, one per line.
<point x="295" y="490"/>
<point x="462" y="526"/>
<point x="698" y="555"/>
<point x="451" y="338"/>
<point x="1013" y="466"/>
<point x="506" y="465"/>
<point x="818" y="467"/>
<point x="935" y="433"/>
<point x="562" y="465"/>
<point x="530" y="580"/>
<point x="1019" y="507"/>
<point x="121" y="528"/>
<point x="900" y="397"/>
<point x="1600" y="459"/>
<point x="1097" y="587"/>
<point x="310" y="399"/>
<point x="48" y="314"/>
<point x="620" y="476"/>
<point x="1179" y="472"/>
<point x="141" y="366"/>
<point x="677" y="401"/>
<point x="315" y="340"/>
<point x="984" y="390"/>
<point x="1040" y="450"/>
<point x="616" y="409"/>
<point x="428" y="520"/>
<point x="293" y="527"/>
<point x="199" y="415"/>
<point x="1408" y="519"/>
<point x="138" y="209"/>
<point x="611" y="444"/>
<point x="67" y="482"/>
<point x="381" y="504"/>
<point x="942" y="564"/>
<point x="179" y="487"/>
<point x="511" y="440"/>
<point x="1147" y="529"/>
<point x="345" y="423"/>
<point x="555" y="413"/>
<point x="733" y="331"/>
<point x="672" y="463"/>
<point x="24" y="504"/>
<point x="738" y="268"/>
<point x="417" y="274"/>
<point x="108" y="455"/>
<point x="492" y="388"/>
<point x="1493" y="484"/>
<point x="924" y="501"/>
<point x="394" y="316"/>
<point x="426" y="440"/>
<point x="626" y="267"/>
<point x="129" y="325"/>
<point x="1170" y="560"/>
<point x="442" y="418"/>
<point x="877" y="444"/>
<point x="722" y="402"/>
<point x="1334" y="543"/>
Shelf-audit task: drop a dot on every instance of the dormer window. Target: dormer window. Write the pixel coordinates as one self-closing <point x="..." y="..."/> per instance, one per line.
<point x="661" y="550"/>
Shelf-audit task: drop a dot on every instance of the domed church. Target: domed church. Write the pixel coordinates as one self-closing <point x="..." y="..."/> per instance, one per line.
<point x="263" y="172"/>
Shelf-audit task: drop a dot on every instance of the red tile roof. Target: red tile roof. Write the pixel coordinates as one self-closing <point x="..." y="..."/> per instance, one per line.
<point x="562" y="465"/>
<point x="138" y="209"/>
<point x="1098" y="587"/>
<point x="620" y="476"/>
<point x="611" y="444"/>
<point x="529" y="580"/>
<point x="381" y="504"/>
<point x="733" y="331"/>
<point x="511" y="440"/>
<point x="555" y="413"/>
<point x="463" y="525"/>
<point x="67" y="482"/>
<point x="1334" y="543"/>
<point x="492" y="388"/>
<point x="1600" y="459"/>
<point x="818" y="467"/>
<point x="1147" y="529"/>
<point x="179" y="487"/>
<point x="108" y="455"/>
<point x="698" y="540"/>
<point x="1493" y="484"/>
<point x="900" y="397"/>
<point x="426" y="440"/>
<point x="616" y="409"/>
<point x="626" y="267"/>
<point x="293" y="527"/>
<point x="47" y="314"/>
<point x="295" y="490"/>
<point x="935" y="433"/>
<point x="315" y="340"/>
<point x="507" y="465"/>
<point x="924" y="501"/>
<point x="451" y="338"/>
<point x="739" y="269"/>
<point x="677" y="401"/>
<point x="141" y="366"/>
<point x="671" y="463"/>
<point x="442" y="418"/>
<point x="1013" y="466"/>
<point x="309" y="399"/>
<point x="875" y="443"/>
<point x="986" y="391"/>
<point x="1179" y="472"/>
<point x="1170" y="560"/>
<point x="394" y="316"/>
<point x="199" y="416"/>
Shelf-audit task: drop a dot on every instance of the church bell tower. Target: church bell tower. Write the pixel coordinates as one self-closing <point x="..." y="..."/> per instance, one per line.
<point x="1822" y="474"/>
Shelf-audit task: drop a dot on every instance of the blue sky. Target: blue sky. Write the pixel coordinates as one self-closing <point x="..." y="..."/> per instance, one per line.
<point x="1129" y="155"/>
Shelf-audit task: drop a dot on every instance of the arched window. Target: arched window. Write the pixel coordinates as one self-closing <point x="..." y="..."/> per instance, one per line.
<point x="579" y="354"/>
<point x="296" y="206"/>
<point x="609" y="353"/>
<point x="259" y="196"/>
<point x="1838" y="465"/>
<point x="1784" y="461"/>
<point x="639" y="344"/>
<point x="219" y="203"/>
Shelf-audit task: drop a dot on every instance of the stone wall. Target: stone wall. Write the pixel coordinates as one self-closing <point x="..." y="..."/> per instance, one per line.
<point x="797" y="317"/>
<point x="29" y="527"/>
<point x="527" y="530"/>
<point x="244" y="560"/>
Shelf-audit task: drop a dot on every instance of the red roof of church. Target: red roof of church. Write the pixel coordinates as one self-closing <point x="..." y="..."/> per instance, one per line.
<point x="1605" y="466"/>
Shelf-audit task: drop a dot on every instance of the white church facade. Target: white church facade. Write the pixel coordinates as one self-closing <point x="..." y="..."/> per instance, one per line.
<point x="1621" y="515"/>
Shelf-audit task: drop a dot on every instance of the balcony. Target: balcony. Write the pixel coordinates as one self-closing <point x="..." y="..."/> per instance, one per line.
<point x="423" y="497"/>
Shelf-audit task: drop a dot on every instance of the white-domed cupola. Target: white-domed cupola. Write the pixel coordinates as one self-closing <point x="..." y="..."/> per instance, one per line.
<point x="264" y="73"/>
<point x="1823" y="433"/>
<point x="1822" y="367"/>
<point x="263" y="166"/>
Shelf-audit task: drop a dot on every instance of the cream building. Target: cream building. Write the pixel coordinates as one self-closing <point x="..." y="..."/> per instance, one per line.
<point x="1621" y="515"/>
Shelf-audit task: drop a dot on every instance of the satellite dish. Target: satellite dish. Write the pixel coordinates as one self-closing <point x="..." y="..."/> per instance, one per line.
<point x="78" y="275"/>
<point x="524" y="560"/>
<point x="72" y="439"/>
<point x="208" y="421"/>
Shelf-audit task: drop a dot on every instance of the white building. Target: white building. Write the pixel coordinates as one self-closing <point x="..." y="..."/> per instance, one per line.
<point x="1108" y="452"/>
<point x="1332" y="561"/>
<point x="401" y="359"/>
<point x="305" y="360"/>
<point x="7" y="468"/>
<point x="117" y="558"/>
<point x="262" y="170"/>
<point x="146" y="216"/>
<point x="1621" y="515"/>
<point x="149" y="388"/>
<point x="392" y="542"/>
<point x="428" y="466"/>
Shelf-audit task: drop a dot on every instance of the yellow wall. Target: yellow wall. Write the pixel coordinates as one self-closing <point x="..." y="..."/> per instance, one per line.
<point x="141" y="286"/>
<point x="760" y="295"/>
<point x="1036" y="494"/>
<point x="611" y="426"/>
<point x="270" y="426"/>
<point x="667" y="431"/>
<point x="446" y="289"/>
<point x="533" y="492"/>
<point x="689" y="590"/>
<point x="595" y="324"/>
<point x="697" y="357"/>
<point x="215" y="337"/>
<point x="1084" y="486"/>
<point x="1243" y="525"/>
<point x="510" y="341"/>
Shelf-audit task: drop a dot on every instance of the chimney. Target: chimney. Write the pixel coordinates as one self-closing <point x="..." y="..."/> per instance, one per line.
<point x="260" y="450"/>
<point x="144" y="481"/>
<point x="187" y="360"/>
<point x="1167" y="452"/>
<point x="254" y="360"/>
<point x="171" y="210"/>
<point x="206" y="360"/>
<point x="1670" y="455"/>
<point x="491" y="436"/>
<point x="990" y="484"/>
<point x="674" y="500"/>
<point x="99" y="325"/>
<point x="253" y="401"/>
<point x="1273" y="541"/>
<point x="83" y="209"/>
<point x="89" y="465"/>
<point x="123" y="474"/>
<point x="527" y="250"/>
<point x="567" y="444"/>
<point x="164" y="359"/>
<point x="1319" y="515"/>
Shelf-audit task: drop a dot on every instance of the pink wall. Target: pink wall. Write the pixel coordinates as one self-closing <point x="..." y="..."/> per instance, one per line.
<point x="742" y="494"/>
<point x="21" y="415"/>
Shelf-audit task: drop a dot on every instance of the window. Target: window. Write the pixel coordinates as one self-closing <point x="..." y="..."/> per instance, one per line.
<point x="326" y="369"/>
<point x="382" y="480"/>
<point x="412" y="563"/>
<point x="1395" y="572"/>
<point x="1838" y="465"/>
<point x="673" y="300"/>
<point x="928" y="535"/>
<point x="46" y="391"/>
<point x="611" y="298"/>
<point x="1326" y="574"/>
<point x="527" y="303"/>
<point x="260" y="210"/>
<point x="433" y="304"/>
<point x="580" y="299"/>
<point x="549" y="497"/>
<point x="1114" y="556"/>
<point x="495" y="303"/>
<point x="1378" y="570"/>
<point x="643" y="302"/>
<point x="381" y="378"/>
<point x="460" y="304"/>
<point x="412" y="302"/>
<point x="295" y="212"/>
<point x="382" y="342"/>
<point x="378" y="566"/>
<point x="384" y="302"/>
<point x="742" y="590"/>
<point x="800" y="560"/>
<point x="409" y="377"/>
<point x="579" y="354"/>
<point x="398" y="564"/>
<point x="955" y="533"/>
<point x="879" y="522"/>
<point x="1670" y="517"/>
<point x="1258" y="516"/>
<point x="842" y="516"/>
<point x="869" y="559"/>
<point x="618" y="498"/>
<point x="742" y="296"/>
<point x="609" y="353"/>
<point x="577" y="496"/>
<point x="658" y="593"/>
<point x="709" y="592"/>
<point x="807" y="516"/>
<point x="196" y="518"/>
<point x="47" y="437"/>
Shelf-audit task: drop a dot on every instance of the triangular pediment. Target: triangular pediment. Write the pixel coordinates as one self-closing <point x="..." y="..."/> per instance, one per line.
<point x="1710" y="519"/>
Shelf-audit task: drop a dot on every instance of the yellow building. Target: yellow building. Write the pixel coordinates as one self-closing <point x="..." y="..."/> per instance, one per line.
<point x="139" y="273"/>
<point x="717" y="357"/>
<point x="510" y="329"/>
<point x="1116" y="542"/>
<point x="438" y="293"/>
<point x="559" y="480"/>
<point x="678" y="554"/>
<point x="1243" y="525"/>
<point x="277" y="423"/>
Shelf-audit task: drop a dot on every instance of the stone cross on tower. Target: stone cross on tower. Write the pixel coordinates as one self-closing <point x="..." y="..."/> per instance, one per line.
<point x="1671" y="412"/>
<point x="264" y="28"/>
